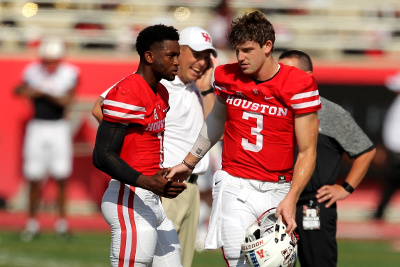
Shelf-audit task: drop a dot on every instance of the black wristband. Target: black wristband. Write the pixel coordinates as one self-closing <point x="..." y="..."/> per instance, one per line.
<point x="209" y="91"/>
<point x="188" y="165"/>
<point x="348" y="187"/>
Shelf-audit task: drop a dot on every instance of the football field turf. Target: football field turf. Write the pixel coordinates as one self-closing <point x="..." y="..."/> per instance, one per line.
<point x="91" y="249"/>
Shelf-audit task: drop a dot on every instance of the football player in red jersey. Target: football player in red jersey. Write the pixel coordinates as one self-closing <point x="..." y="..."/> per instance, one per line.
<point x="129" y="148"/>
<point x="263" y="109"/>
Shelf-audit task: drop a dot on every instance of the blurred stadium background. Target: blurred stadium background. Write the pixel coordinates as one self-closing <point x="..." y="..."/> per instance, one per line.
<point x="331" y="29"/>
<point x="355" y="46"/>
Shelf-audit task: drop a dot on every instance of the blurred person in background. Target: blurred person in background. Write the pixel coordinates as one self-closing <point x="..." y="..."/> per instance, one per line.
<point x="129" y="148"/>
<point x="191" y="98"/>
<point x="391" y="140"/>
<point x="220" y="25"/>
<point x="262" y="107"/>
<point x="316" y="214"/>
<point x="49" y="84"/>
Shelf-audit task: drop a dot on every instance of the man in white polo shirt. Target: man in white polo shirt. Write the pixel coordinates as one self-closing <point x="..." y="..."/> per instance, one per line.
<point x="191" y="98"/>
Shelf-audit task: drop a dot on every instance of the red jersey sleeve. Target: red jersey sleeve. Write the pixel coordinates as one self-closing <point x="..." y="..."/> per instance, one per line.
<point x="123" y="105"/>
<point x="223" y="74"/>
<point x="302" y="94"/>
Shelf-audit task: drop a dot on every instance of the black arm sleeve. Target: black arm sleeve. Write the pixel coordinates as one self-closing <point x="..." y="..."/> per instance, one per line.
<point x="109" y="139"/>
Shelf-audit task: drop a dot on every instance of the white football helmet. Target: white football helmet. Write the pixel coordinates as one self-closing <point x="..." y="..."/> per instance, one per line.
<point x="267" y="244"/>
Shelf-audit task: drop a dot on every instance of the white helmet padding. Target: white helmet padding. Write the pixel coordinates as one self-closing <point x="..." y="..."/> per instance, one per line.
<point x="267" y="244"/>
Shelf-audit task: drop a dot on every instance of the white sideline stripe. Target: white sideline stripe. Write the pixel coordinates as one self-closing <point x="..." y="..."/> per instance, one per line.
<point x="123" y="105"/>
<point x="306" y="104"/>
<point x="304" y="95"/>
<point x="122" y="115"/>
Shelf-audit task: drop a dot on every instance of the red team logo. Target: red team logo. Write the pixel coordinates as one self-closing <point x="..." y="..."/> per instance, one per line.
<point x="260" y="253"/>
<point x="207" y="37"/>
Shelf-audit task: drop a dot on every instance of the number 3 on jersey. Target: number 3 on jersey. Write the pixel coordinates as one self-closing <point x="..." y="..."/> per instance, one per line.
<point x="256" y="131"/>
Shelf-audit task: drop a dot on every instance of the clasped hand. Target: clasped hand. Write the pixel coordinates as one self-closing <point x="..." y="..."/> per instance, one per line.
<point x="160" y="185"/>
<point x="178" y="173"/>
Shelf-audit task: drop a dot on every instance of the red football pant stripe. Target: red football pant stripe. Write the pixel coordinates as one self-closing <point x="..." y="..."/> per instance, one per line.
<point x="224" y="256"/>
<point x="124" y="230"/>
<point x="133" y="225"/>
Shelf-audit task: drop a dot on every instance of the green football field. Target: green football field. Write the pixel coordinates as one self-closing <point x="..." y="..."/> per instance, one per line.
<point x="92" y="249"/>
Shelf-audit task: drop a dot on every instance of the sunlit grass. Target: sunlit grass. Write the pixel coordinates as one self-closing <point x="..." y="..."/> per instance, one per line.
<point x="91" y="249"/>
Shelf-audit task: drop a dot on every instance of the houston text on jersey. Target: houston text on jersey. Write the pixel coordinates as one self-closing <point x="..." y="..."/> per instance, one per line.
<point x="257" y="107"/>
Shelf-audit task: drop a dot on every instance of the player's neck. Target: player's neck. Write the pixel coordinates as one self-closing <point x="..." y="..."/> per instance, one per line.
<point x="267" y="70"/>
<point x="148" y="75"/>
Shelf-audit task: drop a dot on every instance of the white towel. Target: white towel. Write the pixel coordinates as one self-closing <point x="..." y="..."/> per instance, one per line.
<point x="213" y="238"/>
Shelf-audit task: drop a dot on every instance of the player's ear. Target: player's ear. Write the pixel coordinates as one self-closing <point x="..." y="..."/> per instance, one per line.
<point x="268" y="46"/>
<point x="149" y="57"/>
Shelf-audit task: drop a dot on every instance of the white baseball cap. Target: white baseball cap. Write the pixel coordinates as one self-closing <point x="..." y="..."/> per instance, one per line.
<point x="52" y="48"/>
<point x="197" y="39"/>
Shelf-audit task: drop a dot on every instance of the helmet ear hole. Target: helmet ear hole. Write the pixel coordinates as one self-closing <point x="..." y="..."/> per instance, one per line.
<point x="257" y="234"/>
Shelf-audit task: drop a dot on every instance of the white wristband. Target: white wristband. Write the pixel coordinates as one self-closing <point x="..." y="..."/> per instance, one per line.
<point x="212" y="130"/>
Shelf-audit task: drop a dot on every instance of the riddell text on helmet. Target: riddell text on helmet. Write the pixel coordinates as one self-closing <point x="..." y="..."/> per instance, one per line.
<point x="253" y="245"/>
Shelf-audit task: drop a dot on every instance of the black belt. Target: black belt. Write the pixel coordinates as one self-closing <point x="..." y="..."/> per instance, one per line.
<point x="192" y="179"/>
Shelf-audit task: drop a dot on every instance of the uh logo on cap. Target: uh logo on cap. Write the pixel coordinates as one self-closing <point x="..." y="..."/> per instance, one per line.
<point x="207" y="37"/>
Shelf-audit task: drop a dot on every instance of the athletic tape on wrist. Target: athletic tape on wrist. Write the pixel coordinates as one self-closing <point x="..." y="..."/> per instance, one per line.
<point x="211" y="131"/>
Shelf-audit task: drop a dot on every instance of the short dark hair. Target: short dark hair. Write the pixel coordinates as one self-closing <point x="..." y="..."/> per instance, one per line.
<point x="252" y="26"/>
<point x="155" y="34"/>
<point x="304" y="58"/>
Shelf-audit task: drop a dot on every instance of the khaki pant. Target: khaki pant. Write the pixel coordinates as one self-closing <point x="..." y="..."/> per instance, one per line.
<point x="183" y="211"/>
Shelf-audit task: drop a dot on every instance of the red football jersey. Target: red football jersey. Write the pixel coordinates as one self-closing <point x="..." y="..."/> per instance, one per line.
<point x="259" y="137"/>
<point x="132" y="101"/>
